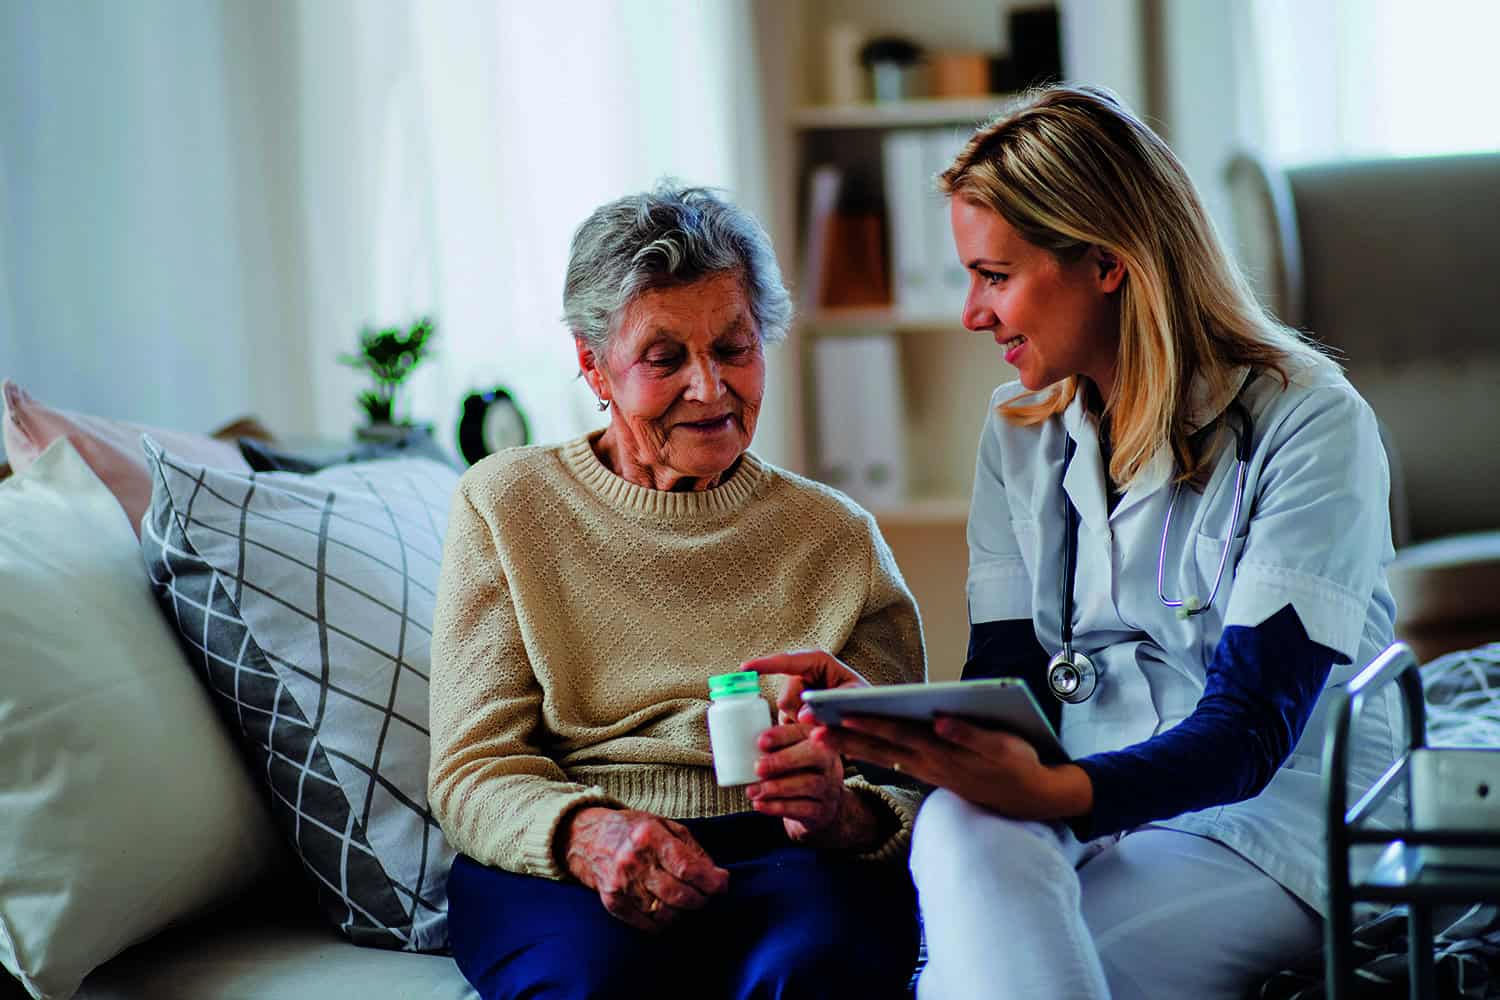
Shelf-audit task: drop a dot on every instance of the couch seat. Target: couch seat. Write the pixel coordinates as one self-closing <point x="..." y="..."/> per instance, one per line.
<point x="271" y="950"/>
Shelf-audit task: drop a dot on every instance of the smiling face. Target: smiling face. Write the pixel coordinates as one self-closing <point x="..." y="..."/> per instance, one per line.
<point x="1053" y="318"/>
<point x="685" y="371"/>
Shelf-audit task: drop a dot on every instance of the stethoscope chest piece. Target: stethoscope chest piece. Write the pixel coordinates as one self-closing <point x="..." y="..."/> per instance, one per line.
<point x="1072" y="676"/>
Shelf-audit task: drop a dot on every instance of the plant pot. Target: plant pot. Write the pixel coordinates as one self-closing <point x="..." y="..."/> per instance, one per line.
<point x="387" y="432"/>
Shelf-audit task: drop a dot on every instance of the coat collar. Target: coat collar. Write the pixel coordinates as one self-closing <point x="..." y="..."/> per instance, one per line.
<point x="1205" y="406"/>
<point x="1086" y="480"/>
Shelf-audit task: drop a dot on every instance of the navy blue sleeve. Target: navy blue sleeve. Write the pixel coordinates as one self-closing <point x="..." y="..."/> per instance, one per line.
<point x="1010" y="649"/>
<point x="1258" y="693"/>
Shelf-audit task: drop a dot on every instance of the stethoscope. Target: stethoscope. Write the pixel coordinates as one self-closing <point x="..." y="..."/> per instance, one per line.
<point x="1071" y="675"/>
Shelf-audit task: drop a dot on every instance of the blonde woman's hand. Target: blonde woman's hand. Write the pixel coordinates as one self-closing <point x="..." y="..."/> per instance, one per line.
<point x="648" y="871"/>
<point x="990" y="768"/>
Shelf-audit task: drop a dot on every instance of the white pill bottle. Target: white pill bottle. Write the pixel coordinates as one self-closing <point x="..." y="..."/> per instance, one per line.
<point x="737" y="715"/>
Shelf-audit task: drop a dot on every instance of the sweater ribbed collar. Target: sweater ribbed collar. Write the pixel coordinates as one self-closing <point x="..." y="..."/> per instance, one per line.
<point x="628" y="498"/>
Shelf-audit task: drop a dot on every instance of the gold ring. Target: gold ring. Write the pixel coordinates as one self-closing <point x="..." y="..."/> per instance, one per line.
<point x="653" y="906"/>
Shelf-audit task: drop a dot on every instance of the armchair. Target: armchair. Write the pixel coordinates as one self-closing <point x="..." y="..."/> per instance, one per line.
<point x="1390" y="263"/>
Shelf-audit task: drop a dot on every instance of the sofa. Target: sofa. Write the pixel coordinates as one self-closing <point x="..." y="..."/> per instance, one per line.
<point x="213" y="753"/>
<point x="156" y="841"/>
<point x="1389" y="263"/>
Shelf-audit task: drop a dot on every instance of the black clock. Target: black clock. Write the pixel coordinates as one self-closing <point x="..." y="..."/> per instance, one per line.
<point x="490" y="421"/>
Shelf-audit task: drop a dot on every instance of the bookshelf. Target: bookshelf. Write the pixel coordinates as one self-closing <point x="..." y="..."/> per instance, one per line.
<point x="943" y="374"/>
<point x="865" y="351"/>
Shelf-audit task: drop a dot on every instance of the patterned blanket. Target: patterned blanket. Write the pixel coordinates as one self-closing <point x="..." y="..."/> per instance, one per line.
<point x="1467" y="961"/>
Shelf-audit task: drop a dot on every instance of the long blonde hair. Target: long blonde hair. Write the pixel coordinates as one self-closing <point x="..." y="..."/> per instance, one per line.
<point x="1071" y="168"/>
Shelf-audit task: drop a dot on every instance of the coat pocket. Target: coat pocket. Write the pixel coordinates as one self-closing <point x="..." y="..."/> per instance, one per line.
<point x="1028" y="540"/>
<point x="1209" y="554"/>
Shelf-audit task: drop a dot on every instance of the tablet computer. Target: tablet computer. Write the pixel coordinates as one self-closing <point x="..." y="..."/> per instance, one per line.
<point x="1001" y="703"/>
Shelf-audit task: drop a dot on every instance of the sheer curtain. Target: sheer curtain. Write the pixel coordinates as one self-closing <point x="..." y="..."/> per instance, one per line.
<point x="1363" y="78"/>
<point x="130" y="281"/>
<point x="489" y="132"/>
<point x="203" y="201"/>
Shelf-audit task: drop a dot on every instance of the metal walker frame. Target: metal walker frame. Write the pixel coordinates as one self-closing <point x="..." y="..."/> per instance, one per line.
<point x="1399" y="876"/>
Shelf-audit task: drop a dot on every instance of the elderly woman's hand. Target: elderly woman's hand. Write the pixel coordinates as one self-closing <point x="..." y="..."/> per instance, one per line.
<point x="648" y="871"/>
<point x="804" y="781"/>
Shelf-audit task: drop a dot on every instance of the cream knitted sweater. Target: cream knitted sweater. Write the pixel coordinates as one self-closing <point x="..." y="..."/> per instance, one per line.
<point x="579" y="617"/>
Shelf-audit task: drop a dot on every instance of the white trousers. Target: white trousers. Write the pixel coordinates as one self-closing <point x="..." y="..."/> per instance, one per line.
<point x="1158" y="914"/>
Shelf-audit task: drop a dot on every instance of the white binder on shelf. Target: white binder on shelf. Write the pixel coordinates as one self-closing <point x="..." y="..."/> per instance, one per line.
<point x="950" y="279"/>
<point x="911" y="203"/>
<point x="861" y="418"/>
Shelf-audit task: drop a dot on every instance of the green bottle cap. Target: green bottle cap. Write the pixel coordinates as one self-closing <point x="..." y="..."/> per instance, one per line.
<point x="739" y="682"/>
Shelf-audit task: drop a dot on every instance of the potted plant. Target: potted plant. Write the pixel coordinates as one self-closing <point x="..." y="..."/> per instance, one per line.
<point x="389" y="355"/>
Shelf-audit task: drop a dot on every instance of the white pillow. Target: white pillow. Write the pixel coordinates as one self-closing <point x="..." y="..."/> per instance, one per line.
<point x="124" y="804"/>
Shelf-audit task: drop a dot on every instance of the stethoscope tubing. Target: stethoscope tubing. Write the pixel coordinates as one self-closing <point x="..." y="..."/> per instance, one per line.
<point x="1082" y="674"/>
<point x="1189" y="605"/>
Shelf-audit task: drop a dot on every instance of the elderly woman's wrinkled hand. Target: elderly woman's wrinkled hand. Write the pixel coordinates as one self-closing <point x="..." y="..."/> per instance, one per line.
<point x="648" y="871"/>
<point x="803" y="783"/>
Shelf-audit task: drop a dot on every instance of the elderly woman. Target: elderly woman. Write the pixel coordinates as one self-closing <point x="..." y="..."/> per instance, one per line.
<point x="590" y="589"/>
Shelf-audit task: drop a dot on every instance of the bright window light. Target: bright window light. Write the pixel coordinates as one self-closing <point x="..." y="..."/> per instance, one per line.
<point x="1367" y="78"/>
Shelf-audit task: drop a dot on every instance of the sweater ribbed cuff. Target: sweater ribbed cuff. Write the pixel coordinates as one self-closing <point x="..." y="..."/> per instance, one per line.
<point x="902" y="803"/>
<point x="539" y="850"/>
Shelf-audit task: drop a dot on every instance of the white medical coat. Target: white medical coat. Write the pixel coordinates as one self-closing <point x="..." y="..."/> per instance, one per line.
<point x="1314" y="532"/>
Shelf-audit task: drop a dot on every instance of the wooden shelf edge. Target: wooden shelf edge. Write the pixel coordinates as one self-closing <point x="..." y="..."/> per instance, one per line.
<point x="862" y="319"/>
<point x="896" y="114"/>
<point x="924" y="512"/>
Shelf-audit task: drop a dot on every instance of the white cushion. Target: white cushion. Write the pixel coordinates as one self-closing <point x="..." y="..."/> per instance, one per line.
<point x="124" y="804"/>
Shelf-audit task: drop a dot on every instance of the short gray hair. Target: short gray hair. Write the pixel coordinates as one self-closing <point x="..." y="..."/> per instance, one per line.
<point x="663" y="238"/>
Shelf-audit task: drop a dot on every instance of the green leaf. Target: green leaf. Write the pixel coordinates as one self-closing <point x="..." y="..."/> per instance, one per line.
<point x="390" y="355"/>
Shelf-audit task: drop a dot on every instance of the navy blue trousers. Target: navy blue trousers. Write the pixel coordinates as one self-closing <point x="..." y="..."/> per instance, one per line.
<point x="794" y="923"/>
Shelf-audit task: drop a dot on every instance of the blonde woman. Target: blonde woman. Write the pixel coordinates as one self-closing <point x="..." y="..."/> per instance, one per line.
<point x="1177" y="539"/>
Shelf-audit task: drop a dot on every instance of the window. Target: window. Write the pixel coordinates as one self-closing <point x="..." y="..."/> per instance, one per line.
<point x="1366" y="78"/>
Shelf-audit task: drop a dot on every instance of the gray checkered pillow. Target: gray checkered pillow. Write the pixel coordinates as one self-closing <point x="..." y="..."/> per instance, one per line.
<point x="307" y="601"/>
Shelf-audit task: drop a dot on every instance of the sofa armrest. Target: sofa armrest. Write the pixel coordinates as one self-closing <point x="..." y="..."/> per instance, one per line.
<point x="1447" y="593"/>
